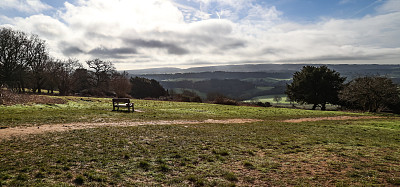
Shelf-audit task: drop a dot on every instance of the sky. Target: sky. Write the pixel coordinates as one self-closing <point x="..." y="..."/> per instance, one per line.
<point x="139" y="34"/>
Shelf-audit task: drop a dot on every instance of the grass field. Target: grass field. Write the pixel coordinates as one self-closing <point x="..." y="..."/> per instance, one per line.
<point x="363" y="152"/>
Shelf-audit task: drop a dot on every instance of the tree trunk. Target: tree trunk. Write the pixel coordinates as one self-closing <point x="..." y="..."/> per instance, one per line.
<point x="314" y="107"/>
<point x="323" y="107"/>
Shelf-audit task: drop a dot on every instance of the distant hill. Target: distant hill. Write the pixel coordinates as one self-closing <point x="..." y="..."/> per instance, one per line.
<point x="342" y="68"/>
<point x="249" y="81"/>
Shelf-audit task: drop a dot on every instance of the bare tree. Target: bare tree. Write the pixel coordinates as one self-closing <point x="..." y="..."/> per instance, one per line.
<point x="80" y="80"/>
<point x="38" y="59"/>
<point x="277" y="98"/>
<point x="52" y="73"/>
<point x="13" y="66"/>
<point x="120" y="84"/>
<point x="102" y="71"/>
<point x="371" y="93"/>
<point x="65" y="74"/>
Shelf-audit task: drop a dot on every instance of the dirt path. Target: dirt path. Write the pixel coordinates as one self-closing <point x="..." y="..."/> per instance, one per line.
<point x="330" y="118"/>
<point x="21" y="131"/>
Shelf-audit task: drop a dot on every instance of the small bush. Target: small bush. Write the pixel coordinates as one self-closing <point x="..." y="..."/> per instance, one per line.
<point x="39" y="175"/>
<point x="230" y="176"/>
<point x="22" y="177"/>
<point x="261" y="104"/>
<point x="225" y="101"/>
<point x="4" y="176"/>
<point x="394" y="181"/>
<point x="144" y="165"/>
<point x="93" y="176"/>
<point x="196" y="180"/>
<point x="79" y="180"/>
<point x="220" y="152"/>
<point x="248" y="165"/>
<point x="164" y="167"/>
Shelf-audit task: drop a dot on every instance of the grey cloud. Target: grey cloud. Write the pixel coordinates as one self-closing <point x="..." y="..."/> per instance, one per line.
<point x="171" y="48"/>
<point x="71" y="50"/>
<point x="106" y="51"/>
<point x="273" y="51"/>
<point x="113" y="52"/>
<point x="234" y="45"/>
<point x="195" y="42"/>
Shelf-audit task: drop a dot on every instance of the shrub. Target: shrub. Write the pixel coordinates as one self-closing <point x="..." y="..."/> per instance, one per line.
<point x="144" y="164"/>
<point x="79" y="180"/>
<point x="196" y="180"/>
<point x="230" y="176"/>
<point x="248" y="165"/>
<point x="370" y="93"/>
<point x="164" y="167"/>
<point x="261" y="104"/>
<point x="225" y="101"/>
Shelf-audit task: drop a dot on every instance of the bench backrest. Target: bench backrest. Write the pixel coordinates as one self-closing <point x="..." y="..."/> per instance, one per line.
<point x="121" y="100"/>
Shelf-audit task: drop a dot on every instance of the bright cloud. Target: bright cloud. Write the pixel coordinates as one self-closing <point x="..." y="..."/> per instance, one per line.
<point x="161" y="33"/>
<point x="28" y="6"/>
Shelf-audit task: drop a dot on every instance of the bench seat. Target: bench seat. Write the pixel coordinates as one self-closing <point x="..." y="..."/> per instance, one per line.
<point x="122" y="103"/>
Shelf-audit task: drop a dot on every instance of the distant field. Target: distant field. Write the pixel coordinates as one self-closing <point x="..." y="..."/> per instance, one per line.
<point x="200" y="94"/>
<point x="264" y="88"/>
<point x="185" y="79"/>
<point x="269" y="98"/>
<point x="267" y="79"/>
<point x="268" y="152"/>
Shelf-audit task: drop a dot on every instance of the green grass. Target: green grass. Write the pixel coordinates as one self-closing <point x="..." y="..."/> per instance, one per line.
<point x="266" y="153"/>
<point x="284" y="102"/>
<point x="81" y="109"/>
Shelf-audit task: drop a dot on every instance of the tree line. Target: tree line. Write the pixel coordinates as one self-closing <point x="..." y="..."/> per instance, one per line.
<point x="320" y="86"/>
<point x="25" y="63"/>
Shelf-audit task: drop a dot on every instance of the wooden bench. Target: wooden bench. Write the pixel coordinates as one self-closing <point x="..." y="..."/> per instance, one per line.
<point x="122" y="102"/>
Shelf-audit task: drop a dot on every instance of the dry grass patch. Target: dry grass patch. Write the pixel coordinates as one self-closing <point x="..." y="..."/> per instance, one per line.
<point x="9" y="98"/>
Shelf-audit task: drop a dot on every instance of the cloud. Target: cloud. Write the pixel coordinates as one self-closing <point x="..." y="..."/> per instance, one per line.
<point x="211" y="27"/>
<point x="171" y="48"/>
<point x="70" y="50"/>
<point x="159" y="33"/>
<point x="118" y="53"/>
<point x="389" y="7"/>
<point x="27" y="6"/>
<point x="43" y="25"/>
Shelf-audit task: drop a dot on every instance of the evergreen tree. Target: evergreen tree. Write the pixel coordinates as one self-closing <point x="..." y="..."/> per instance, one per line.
<point x="315" y="85"/>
